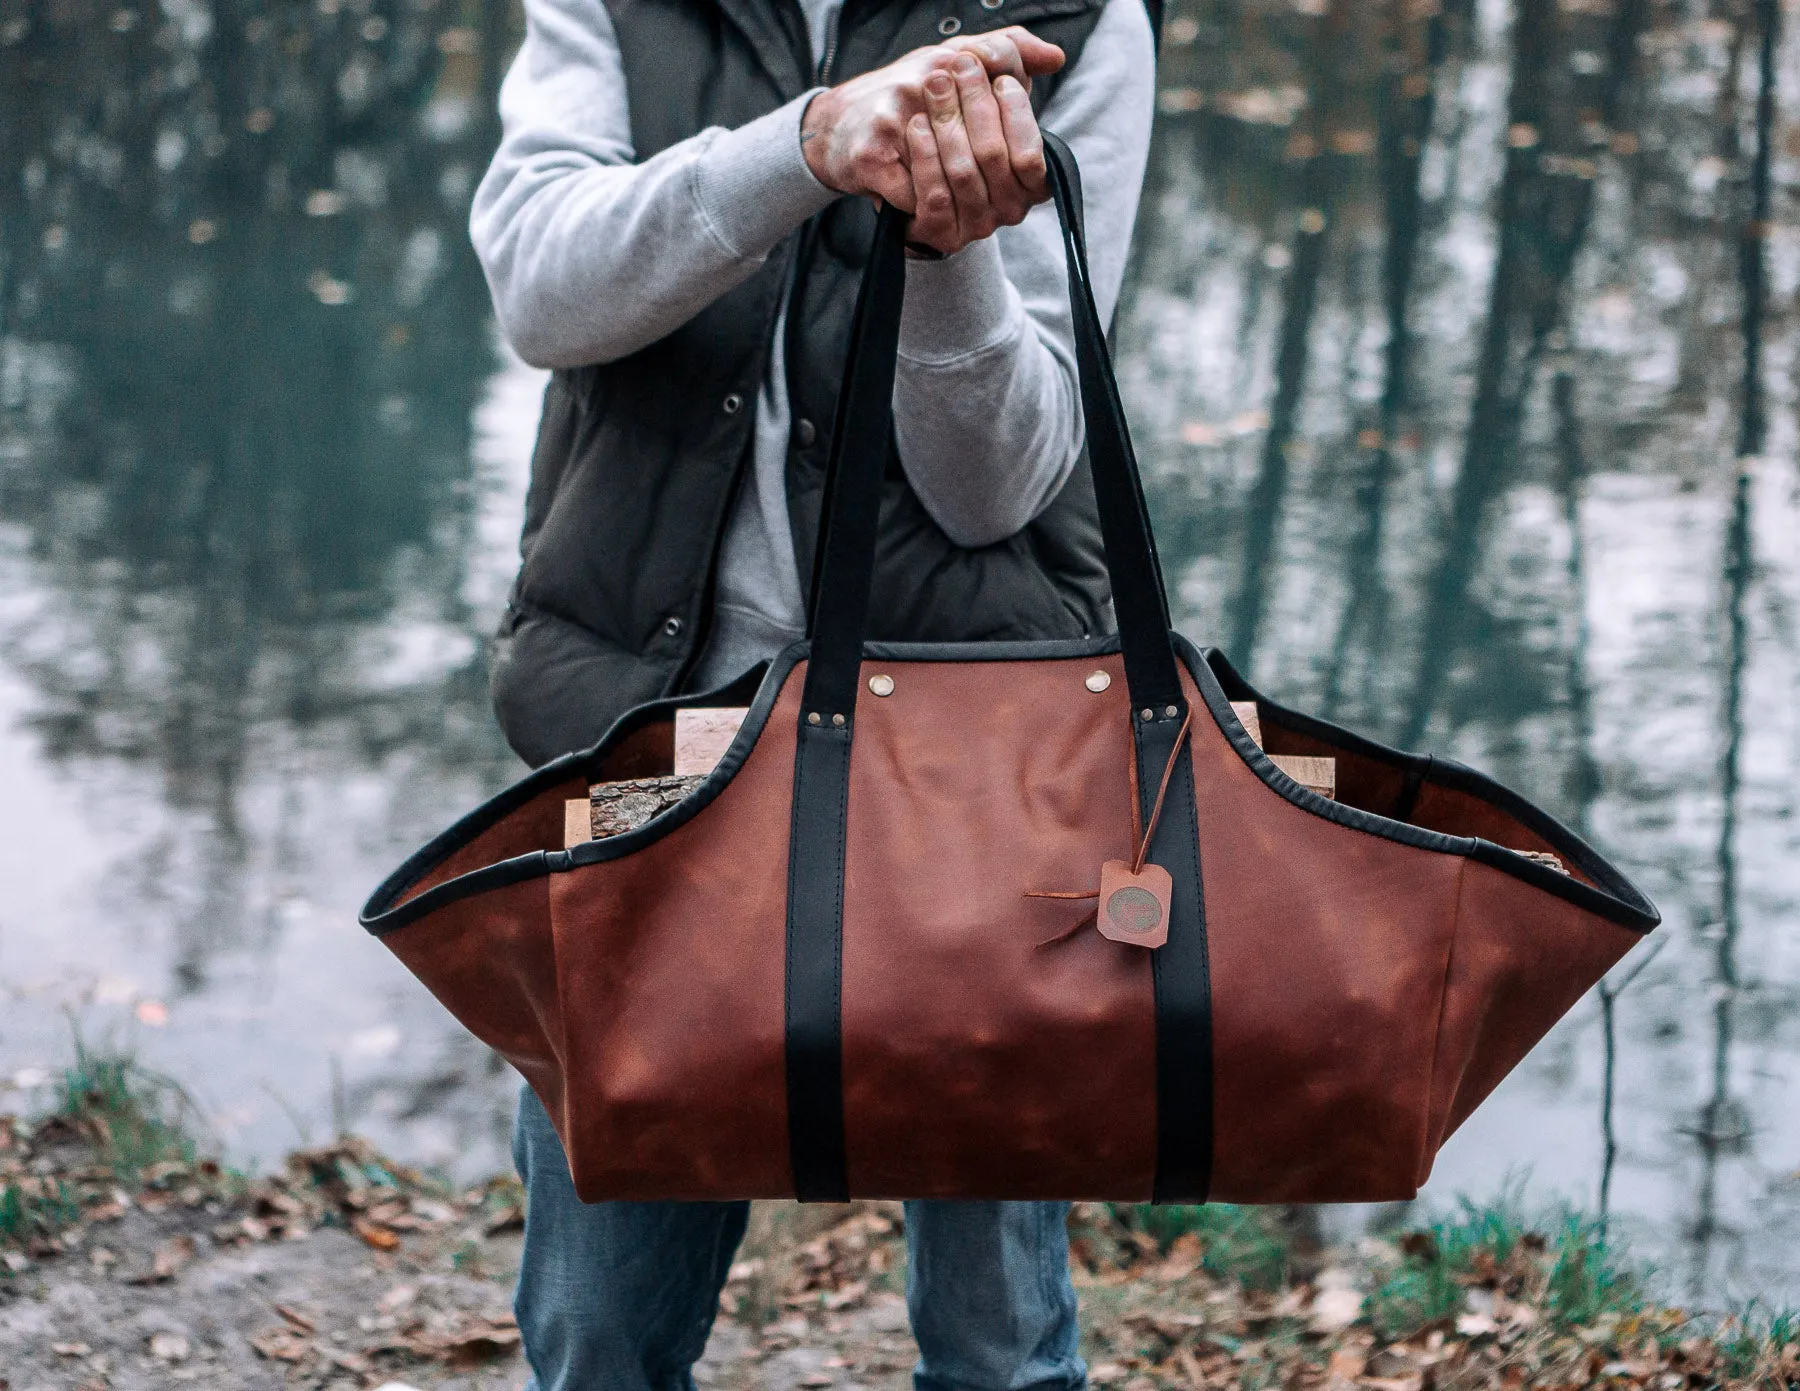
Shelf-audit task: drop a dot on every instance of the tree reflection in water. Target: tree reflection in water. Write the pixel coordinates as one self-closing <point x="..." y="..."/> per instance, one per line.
<point x="1511" y="353"/>
<point x="1458" y="345"/>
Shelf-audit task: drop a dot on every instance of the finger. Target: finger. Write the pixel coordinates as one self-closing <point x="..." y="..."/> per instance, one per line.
<point x="998" y="53"/>
<point x="934" y="209"/>
<point x="1024" y="140"/>
<point x="1035" y="56"/>
<point x="987" y="141"/>
<point x="974" y="216"/>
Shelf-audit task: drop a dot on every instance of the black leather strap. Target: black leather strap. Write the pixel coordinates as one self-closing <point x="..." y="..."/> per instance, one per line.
<point x="859" y="454"/>
<point x="1182" y="980"/>
<point x="815" y="952"/>
<point x="837" y="622"/>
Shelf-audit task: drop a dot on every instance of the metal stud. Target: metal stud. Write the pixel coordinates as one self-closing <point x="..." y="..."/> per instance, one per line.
<point x="882" y="684"/>
<point x="1097" y="681"/>
<point x="813" y="718"/>
<point x="1172" y="711"/>
<point x="838" y="720"/>
<point x="949" y="25"/>
<point x="1146" y="715"/>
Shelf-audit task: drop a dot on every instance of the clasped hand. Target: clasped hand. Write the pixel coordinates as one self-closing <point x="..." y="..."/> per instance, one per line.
<point x="946" y="133"/>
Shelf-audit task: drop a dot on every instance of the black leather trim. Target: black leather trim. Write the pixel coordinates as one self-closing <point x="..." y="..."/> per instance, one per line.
<point x="814" y="975"/>
<point x="1181" y="975"/>
<point x="383" y="913"/>
<point x="1044" y="650"/>
<point x="1616" y="898"/>
<point x="1611" y="896"/>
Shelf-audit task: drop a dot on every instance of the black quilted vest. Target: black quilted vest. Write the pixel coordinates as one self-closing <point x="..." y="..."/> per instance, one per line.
<point x="638" y="461"/>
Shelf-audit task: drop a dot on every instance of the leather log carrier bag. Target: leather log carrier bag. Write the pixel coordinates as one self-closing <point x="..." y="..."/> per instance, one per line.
<point x="1008" y="920"/>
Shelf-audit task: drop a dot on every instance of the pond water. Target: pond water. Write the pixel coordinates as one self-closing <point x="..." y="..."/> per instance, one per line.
<point x="1460" y="349"/>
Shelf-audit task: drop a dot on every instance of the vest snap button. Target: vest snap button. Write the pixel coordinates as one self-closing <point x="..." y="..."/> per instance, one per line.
<point x="733" y="404"/>
<point x="949" y="25"/>
<point x="672" y="626"/>
<point x="806" y="432"/>
<point x="992" y="4"/>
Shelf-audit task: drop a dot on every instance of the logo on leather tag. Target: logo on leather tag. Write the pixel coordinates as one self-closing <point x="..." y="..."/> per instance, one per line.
<point x="1134" y="908"/>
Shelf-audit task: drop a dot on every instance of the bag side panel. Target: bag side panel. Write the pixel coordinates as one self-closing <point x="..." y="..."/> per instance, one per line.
<point x="982" y="1058"/>
<point x="671" y="963"/>
<point x="1328" y="950"/>
<point x="1522" y="959"/>
<point x="490" y="960"/>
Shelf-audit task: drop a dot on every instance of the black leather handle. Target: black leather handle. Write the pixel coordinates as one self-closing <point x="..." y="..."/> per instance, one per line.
<point x="852" y="503"/>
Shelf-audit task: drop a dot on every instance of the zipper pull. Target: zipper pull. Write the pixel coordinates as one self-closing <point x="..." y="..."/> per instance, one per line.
<point x="831" y="46"/>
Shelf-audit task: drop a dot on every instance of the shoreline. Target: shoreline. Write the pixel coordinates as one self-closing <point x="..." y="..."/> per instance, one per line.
<point x="130" y="1259"/>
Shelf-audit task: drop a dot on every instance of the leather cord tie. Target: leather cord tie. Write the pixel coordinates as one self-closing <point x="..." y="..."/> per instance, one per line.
<point x="1137" y="863"/>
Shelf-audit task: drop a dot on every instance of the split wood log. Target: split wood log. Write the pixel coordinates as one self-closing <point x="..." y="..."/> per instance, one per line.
<point x="616" y="807"/>
<point x="702" y="735"/>
<point x="1313" y="773"/>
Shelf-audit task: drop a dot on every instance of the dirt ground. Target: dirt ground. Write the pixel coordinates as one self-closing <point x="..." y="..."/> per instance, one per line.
<point x="345" y="1271"/>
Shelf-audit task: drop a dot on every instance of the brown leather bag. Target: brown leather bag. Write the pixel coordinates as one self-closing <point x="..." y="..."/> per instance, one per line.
<point x="866" y="956"/>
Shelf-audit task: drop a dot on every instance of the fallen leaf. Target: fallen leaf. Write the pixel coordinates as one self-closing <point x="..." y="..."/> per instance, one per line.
<point x="511" y="1218"/>
<point x="381" y="1238"/>
<point x="1334" y="1309"/>
<point x="281" y="1344"/>
<point x="297" y="1319"/>
<point x="480" y="1344"/>
<point x="169" y="1347"/>
<point x="1346" y="1364"/>
<point x="349" y="1361"/>
<point x="166" y="1262"/>
<point x="1183" y="1259"/>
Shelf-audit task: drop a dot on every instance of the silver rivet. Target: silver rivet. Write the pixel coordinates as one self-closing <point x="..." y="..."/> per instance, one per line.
<point x="672" y="626"/>
<point x="733" y="404"/>
<point x="1097" y="681"/>
<point x="1171" y="710"/>
<point x="1146" y="714"/>
<point x="949" y="25"/>
<point x="992" y="4"/>
<point x="813" y="718"/>
<point x="838" y="720"/>
<point x="882" y="685"/>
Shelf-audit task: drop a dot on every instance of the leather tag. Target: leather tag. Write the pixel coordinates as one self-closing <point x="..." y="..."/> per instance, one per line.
<point x="1134" y="908"/>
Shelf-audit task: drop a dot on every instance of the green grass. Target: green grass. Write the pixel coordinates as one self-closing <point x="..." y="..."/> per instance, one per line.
<point x="139" y="1118"/>
<point x="1247" y="1245"/>
<point x="1567" y="1270"/>
<point x="47" y="1208"/>
<point x="135" y="1121"/>
<point x="1749" y="1343"/>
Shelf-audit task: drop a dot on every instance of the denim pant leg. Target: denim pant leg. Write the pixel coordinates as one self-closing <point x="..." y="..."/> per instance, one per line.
<point x="613" y="1296"/>
<point x="989" y="1293"/>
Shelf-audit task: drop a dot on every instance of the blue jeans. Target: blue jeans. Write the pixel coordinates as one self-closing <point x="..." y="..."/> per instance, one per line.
<point x="621" y="1296"/>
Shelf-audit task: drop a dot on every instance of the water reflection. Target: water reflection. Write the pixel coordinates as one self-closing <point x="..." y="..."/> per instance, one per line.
<point x="1459" y="351"/>
<point x="1508" y="277"/>
<point x="243" y="337"/>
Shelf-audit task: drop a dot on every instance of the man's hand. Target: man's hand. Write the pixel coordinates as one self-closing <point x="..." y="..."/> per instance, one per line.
<point x="977" y="157"/>
<point x="857" y="136"/>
